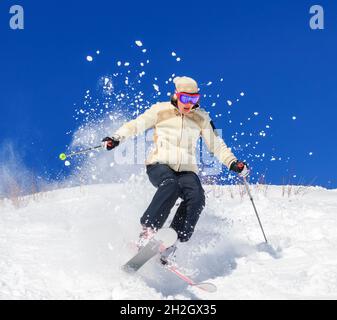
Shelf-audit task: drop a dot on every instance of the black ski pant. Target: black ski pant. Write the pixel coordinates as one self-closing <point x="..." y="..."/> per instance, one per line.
<point x="170" y="186"/>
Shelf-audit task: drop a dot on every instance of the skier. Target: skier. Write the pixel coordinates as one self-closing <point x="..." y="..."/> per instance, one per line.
<point x="171" y="166"/>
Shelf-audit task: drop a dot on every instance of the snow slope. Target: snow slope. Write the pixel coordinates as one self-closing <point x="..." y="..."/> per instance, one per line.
<point x="70" y="244"/>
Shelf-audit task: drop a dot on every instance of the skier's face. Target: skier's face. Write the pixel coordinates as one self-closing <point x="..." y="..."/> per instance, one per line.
<point x="186" y="101"/>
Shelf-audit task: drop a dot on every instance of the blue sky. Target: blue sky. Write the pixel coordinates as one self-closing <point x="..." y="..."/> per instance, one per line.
<point x="265" y="49"/>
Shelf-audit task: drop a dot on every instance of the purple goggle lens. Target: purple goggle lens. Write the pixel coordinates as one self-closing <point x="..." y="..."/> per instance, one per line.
<point x="185" y="98"/>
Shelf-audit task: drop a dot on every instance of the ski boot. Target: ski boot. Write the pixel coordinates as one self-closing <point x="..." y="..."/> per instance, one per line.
<point x="145" y="236"/>
<point x="168" y="255"/>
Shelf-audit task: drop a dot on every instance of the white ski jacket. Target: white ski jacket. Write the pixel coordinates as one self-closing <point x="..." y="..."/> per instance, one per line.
<point x="176" y="135"/>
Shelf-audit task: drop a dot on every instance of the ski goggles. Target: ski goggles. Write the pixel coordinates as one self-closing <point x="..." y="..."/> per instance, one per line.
<point x="187" y="98"/>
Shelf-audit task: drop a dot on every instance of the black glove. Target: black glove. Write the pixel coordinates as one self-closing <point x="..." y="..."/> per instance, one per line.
<point x="240" y="168"/>
<point x="109" y="143"/>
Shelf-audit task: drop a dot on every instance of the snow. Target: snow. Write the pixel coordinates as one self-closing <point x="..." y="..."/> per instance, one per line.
<point x="70" y="244"/>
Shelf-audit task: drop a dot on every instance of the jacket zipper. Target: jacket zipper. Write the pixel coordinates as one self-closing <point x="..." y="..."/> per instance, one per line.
<point x="181" y="137"/>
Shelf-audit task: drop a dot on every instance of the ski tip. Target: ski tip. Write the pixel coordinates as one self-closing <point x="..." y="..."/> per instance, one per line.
<point x="206" y="286"/>
<point x="128" y="268"/>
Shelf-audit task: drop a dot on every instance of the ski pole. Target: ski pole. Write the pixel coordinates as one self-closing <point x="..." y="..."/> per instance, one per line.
<point x="252" y="200"/>
<point x="64" y="156"/>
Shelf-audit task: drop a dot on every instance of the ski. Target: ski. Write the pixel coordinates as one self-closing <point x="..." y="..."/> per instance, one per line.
<point x="163" y="239"/>
<point x="205" y="286"/>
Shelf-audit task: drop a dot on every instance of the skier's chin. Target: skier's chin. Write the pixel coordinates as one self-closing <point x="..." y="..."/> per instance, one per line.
<point x="185" y="110"/>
